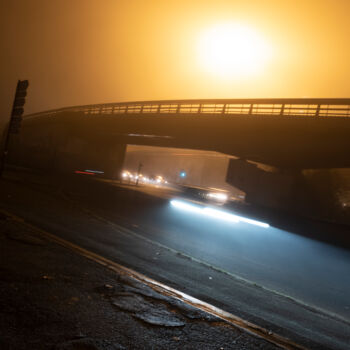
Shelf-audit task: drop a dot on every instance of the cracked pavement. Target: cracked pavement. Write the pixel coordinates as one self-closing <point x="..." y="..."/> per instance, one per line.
<point x="53" y="298"/>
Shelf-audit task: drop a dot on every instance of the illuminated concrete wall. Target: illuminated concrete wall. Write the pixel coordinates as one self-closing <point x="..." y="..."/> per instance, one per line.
<point x="202" y="168"/>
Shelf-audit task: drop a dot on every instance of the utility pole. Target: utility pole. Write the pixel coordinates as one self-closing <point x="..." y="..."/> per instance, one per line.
<point x="14" y="124"/>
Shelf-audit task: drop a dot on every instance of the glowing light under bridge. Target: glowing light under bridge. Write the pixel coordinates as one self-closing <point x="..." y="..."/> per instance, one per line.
<point x="215" y="213"/>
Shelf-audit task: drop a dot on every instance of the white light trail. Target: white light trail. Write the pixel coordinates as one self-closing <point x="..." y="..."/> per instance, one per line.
<point x="214" y="213"/>
<point x="186" y="206"/>
<point x="218" y="214"/>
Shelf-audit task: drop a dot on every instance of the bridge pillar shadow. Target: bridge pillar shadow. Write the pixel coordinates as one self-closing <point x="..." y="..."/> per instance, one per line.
<point x="68" y="145"/>
<point x="312" y="192"/>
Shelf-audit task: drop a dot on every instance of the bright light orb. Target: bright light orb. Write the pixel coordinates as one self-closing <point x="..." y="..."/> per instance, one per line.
<point x="232" y="50"/>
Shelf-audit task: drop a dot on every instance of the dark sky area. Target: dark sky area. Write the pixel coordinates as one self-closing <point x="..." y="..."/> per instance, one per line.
<point x="94" y="51"/>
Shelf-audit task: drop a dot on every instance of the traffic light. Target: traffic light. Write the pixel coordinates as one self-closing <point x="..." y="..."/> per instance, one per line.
<point x="17" y="109"/>
<point x="183" y="173"/>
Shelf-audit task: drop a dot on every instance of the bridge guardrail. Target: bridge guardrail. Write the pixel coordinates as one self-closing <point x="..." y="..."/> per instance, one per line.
<point x="277" y="107"/>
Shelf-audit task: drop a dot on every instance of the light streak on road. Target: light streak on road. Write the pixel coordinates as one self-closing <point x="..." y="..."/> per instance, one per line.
<point x="218" y="214"/>
<point x="215" y="213"/>
<point x="84" y="172"/>
<point x="95" y="171"/>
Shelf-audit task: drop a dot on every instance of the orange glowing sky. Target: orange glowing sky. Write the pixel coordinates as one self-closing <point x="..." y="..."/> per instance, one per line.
<point x="95" y="51"/>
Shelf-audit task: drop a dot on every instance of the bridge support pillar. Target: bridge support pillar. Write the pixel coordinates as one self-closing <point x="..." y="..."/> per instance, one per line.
<point x="313" y="193"/>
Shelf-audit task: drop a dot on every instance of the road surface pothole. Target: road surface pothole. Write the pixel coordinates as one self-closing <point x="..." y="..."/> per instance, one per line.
<point x="156" y="314"/>
<point x="186" y="310"/>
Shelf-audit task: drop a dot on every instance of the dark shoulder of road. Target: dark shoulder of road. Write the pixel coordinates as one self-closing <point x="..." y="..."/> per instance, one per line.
<point x="52" y="298"/>
<point x="120" y="224"/>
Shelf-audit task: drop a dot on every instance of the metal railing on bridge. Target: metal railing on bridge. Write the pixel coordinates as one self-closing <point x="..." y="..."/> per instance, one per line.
<point x="270" y="107"/>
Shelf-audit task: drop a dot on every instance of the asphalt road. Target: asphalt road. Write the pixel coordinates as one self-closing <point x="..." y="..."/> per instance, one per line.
<point x="310" y="271"/>
<point x="313" y="272"/>
<point x="282" y="280"/>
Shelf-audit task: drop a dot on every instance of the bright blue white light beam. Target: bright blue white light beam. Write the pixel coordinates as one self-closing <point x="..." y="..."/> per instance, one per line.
<point x="215" y="213"/>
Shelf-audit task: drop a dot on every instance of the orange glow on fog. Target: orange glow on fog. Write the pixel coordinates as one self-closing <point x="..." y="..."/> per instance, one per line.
<point x="232" y="50"/>
<point x="89" y="51"/>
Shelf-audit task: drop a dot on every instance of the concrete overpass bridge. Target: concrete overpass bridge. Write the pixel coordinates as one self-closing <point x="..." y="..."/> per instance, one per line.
<point x="289" y="135"/>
